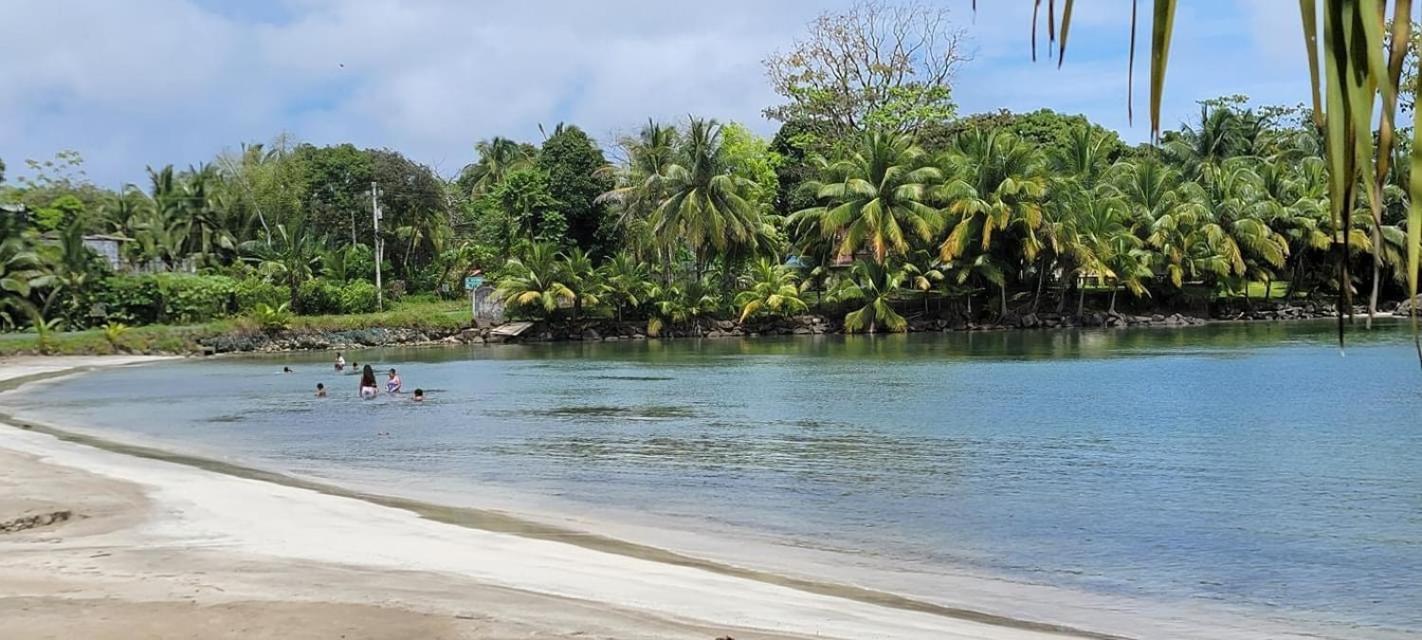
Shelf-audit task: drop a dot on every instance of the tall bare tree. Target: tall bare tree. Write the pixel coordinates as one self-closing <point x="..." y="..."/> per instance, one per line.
<point x="874" y="65"/>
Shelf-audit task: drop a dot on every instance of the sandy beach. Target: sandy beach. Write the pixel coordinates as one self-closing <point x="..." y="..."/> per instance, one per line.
<point x="99" y="544"/>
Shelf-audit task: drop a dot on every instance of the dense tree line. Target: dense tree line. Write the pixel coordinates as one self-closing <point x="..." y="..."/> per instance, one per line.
<point x="872" y="204"/>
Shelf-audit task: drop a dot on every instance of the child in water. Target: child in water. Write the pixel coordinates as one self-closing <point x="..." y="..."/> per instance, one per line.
<point x="320" y="390"/>
<point x="368" y="387"/>
<point x="419" y="395"/>
<point x="341" y="361"/>
<point x="392" y="385"/>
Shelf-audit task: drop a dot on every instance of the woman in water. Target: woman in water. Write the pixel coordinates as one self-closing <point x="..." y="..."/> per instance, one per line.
<point x="368" y="386"/>
<point x="392" y="384"/>
<point x="340" y="361"/>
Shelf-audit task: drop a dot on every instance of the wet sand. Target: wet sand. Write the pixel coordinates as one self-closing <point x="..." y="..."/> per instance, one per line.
<point x="164" y="547"/>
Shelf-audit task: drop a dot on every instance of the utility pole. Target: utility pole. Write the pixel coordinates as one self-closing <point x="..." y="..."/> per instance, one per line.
<point x="379" y="245"/>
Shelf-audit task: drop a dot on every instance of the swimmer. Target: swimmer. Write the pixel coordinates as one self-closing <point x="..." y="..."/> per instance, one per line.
<point x="286" y="370"/>
<point x="320" y="390"/>
<point x="419" y="395"/>
<point x="368" y="387"/>
<point x="341" y="361"/>
<point x="392" y="384"/>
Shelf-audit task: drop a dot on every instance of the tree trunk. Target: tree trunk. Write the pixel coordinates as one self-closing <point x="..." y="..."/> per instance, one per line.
<point x="1377" y="272"/>
<point x="1114" y="289"/>
<point x="1041" y="276"/>
<point x="1003" y="289"/>
<point x="1080" y="300"/>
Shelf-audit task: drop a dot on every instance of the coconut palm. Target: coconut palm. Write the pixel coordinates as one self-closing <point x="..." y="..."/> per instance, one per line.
<point x="875" y="285"/>
<point x="534" y="280"/>
<point x="581" y="279"/>
<point x="875" y="199"/>
<point x="996" y="193"/>
<point x="625" y="282"/>
<point x="639" y="186"/>
<point x="21" y="271"/>
<point x="703" y="204"/>
<point x="497" y="158"/>
<point x="772" y="290"/>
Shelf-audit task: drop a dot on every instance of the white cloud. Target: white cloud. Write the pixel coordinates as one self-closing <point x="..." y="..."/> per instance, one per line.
<point x="160" y="81"/>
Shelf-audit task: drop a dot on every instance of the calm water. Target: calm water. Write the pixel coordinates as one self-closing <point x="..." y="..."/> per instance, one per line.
<point x="1247" y="465"/>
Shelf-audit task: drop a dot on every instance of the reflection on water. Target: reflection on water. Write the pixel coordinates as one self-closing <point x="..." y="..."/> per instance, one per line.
<point x="1245" y="464"/>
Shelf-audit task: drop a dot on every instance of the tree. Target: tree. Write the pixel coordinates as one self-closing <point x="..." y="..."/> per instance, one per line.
<point x="875" y="284"/>
<point x="290" y="258"/>
<point x="997" y="189"/>
<point x="497" y="158"/>
<point x="625" y="282"/>
<point x="581" y="279"/>
<point x="873" y="66"/>
<point x="773" y="290"/>
<point x="639" y="185"/>
<point x="875" y="198"/>
<point x="21" y="271"/>
<point x="533" y="281"/>
<point x="530" y="208"/>
<point x="704" y="204"/>
<point x="572" y="163"/>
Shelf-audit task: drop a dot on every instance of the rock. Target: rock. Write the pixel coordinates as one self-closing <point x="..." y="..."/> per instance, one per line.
<point x="1408" y="305"/>
<point x="1029" y="321"/>
<point x="591" y="334"/>
<point x="800" y="331"/>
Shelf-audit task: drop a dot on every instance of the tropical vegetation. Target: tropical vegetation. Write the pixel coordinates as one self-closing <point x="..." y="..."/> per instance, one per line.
<point x="875" y="206"/>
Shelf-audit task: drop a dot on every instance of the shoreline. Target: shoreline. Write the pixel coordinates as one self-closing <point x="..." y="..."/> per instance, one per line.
<point x="308" y="339"/>
<point x="656" y="583"/>
<point x="1167" y="622"/>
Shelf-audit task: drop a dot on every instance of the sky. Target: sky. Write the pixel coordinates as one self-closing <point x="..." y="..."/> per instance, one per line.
<point x="152" y="82"/>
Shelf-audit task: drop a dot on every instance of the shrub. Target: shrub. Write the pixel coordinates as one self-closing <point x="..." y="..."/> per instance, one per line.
<point x="318" y="297"/>
<point x="132" y="299"/>
<point x="358" y="297"/>
<point x="166" y="297"/>
<point x="254" y="291"/>
<point x="271" y="318"/>
<point x="190" y="298"/>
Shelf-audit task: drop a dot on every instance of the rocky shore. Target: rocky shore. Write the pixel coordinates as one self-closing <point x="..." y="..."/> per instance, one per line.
<point x="604" y="330"/>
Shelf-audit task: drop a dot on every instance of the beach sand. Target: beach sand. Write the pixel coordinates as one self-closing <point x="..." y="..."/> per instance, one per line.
<point x="146" y="548"/>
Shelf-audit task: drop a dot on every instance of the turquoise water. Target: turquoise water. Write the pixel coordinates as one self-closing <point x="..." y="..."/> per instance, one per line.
<point x="1245" y="465"/>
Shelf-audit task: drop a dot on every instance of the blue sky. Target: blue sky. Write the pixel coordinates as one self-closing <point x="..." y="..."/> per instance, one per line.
<point x="151" y="82"/>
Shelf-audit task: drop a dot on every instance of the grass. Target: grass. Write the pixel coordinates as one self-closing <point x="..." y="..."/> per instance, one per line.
<point x="423" y="314"/>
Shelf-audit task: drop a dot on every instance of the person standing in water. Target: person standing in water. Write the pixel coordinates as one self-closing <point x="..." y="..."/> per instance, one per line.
<point x="392" y="384"/>
<point x="340" y="361"/>
<point x="368" y="386"/>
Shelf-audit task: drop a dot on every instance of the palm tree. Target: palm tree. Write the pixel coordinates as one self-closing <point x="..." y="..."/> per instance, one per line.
<point x="773" y="290"/>
<point x="580" y="278"/>
<point x="998" y="188"/>
<point x="640" y="189"/>
<point x="681" y="305"/>
<point x="875" y="198"/>
<point x="625" y="281"/>
<point x="875" y="285"/>
<point x="534" y="281"/>
<point x="704" y="205"/>
<point x="21" y="271"/>
<point x="497" y="158"/>
<point x="291" y="256"/>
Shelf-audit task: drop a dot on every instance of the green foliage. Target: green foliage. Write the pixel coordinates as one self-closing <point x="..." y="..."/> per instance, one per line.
<point x="572" y="164"/>
<point x="318" y="297"/>
<point x="271" y="318"/>
<point x="114" y="332"/>
<point x="167" y="297"/>
<point x="773" y="291"/>
<point x="529" y="208"/>
<point x="358" y="297"/>
<point x="250" y="292"/>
